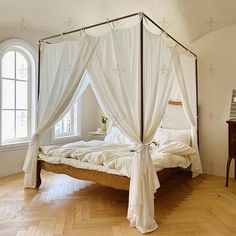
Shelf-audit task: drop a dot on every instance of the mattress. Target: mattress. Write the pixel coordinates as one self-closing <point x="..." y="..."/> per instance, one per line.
<point x="115" y="159"/>
<point x="78" y="164"/>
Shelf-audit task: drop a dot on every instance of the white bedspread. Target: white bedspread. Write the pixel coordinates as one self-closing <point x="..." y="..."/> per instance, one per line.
<point x="116" y="158"/>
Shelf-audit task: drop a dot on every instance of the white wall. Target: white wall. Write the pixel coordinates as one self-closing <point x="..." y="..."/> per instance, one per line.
<point x="12" y="161"/>
<point x="217" y="78"/>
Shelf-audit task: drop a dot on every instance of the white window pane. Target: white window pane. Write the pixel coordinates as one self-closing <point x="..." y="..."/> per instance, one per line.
<point x="21" y="95"/>
<point x="64" y="126"/>
<point x="58" y="128"/>
<point x="21" y="124"/>
<point x="8" y="121"/>
<point x="21" y="67"/>
<point x="8" y="65"/>
<point x="67" y="123"/>
<point x="8" y="94"/>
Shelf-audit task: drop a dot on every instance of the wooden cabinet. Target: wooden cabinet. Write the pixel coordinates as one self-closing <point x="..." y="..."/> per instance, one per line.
<point x="231" y="148"/>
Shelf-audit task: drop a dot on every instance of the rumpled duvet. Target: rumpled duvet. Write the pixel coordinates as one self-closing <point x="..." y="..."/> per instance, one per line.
<point x="119" y="156"/>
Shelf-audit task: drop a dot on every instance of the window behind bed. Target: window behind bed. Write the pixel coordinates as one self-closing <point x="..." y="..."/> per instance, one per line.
<point x="68" y="125"/>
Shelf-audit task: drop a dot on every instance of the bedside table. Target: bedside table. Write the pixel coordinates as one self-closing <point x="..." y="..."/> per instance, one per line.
<point x="231" y="148"/>
<point x="97" y="135"/>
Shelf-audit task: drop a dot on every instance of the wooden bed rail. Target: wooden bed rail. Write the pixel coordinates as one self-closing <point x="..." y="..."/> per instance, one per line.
<point x="106" y="179"/>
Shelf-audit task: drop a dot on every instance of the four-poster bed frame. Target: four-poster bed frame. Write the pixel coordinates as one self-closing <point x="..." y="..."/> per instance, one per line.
<point x="110" y="180"/>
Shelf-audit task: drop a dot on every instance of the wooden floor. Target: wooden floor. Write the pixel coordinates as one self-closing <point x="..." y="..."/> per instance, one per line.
<point x="64" y="206"/>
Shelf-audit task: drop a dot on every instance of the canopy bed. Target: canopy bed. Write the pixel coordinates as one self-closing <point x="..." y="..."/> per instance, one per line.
<point x="132" y="73"/>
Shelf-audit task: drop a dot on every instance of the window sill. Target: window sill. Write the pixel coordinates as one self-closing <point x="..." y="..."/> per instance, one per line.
<point x="64" y="140"/>
<point x="14" y="146"/>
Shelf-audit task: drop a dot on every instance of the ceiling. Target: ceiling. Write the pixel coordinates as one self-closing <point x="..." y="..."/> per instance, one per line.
<point x="204" y="16"/>
<point x="187" y="20"/>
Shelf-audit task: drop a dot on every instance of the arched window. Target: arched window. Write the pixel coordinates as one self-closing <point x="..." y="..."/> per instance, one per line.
<point x="17" y="74"/>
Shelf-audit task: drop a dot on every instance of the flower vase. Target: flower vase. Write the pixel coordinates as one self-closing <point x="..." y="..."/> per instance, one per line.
<point x="104" y="127"/>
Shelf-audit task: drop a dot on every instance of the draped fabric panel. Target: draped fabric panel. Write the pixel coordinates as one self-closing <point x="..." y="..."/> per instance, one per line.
<point x="62" y="69"/>
<point x="115" y="78"/>
<point x="188" y="63"/>
<point x="196" y="166"/>
<point x="114" y="69"/>
<point x="159" y="75"/>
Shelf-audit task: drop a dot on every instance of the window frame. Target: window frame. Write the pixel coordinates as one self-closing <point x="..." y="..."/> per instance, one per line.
<point x="28" y="109"/>
<point x="76" y="132"/>
<point x="29" y="53"/>
<point x="73" y="125"/>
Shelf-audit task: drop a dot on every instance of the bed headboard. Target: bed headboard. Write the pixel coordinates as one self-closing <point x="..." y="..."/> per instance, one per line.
<point x="175" y="118"/>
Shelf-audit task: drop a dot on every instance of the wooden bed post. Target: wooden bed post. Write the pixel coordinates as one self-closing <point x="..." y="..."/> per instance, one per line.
<point x="39" y="58"/>
<point x="196" y="81"/>
<point x="141" y="78"/>
<point x="38" y="176"/>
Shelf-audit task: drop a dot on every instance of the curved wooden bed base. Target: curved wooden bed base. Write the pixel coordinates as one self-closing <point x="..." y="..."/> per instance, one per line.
<point x="109" y="180"/>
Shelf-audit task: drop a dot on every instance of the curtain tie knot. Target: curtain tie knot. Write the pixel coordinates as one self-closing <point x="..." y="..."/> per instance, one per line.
<point x="141" y="147"/>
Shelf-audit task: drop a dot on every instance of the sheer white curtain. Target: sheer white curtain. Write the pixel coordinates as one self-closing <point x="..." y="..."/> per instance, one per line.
<point x="115" y="78"/>
<point x="196" y="165"/>
<point x="114" y="71"/>
<point x="188" y="65"/>
<point x="159" y="75"/>
<point x="62" y="69"/>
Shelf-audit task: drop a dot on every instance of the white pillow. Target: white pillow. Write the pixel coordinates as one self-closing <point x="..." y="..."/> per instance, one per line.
<point x="178" y="135"/>
<point x="115" y="136"/>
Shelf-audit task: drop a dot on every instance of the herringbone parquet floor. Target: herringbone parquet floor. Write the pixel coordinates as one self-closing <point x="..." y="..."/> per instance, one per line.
<point x="64" y="206"/>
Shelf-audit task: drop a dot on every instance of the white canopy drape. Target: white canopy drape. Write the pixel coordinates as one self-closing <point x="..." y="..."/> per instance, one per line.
<point x="115" y="77"/>
<point x="196" y="166"/>
<point x="62" y="69"/>
<point x="113" y="62"/>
